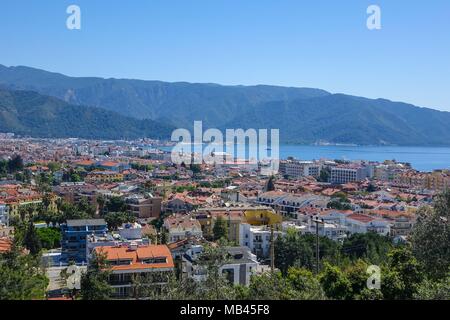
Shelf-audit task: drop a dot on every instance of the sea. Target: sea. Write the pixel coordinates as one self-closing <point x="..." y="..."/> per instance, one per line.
<point x="424" y="159"/>
<point x="420" y="158"/>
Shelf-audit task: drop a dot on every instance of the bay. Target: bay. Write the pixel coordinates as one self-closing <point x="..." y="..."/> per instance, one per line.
<point x="424" y="159"/>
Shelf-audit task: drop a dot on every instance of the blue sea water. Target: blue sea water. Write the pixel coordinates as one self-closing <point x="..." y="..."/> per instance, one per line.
<point x="421" y="158"/>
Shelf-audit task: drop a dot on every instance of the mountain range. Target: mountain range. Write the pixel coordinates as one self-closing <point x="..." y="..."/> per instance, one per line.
<point x="28" y="113"/>
<point x="126" y="108"/>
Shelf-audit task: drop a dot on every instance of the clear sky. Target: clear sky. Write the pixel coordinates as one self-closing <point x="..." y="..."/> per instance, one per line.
<point x="315" y="43"/>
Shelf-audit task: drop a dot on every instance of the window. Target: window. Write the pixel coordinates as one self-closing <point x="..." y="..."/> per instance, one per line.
<point x="229" y="274"/>
<point x="122" y="262"/>
<point x="155" y="260"/>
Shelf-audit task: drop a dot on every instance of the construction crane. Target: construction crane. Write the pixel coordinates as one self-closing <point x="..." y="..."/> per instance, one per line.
<point x="265" y="217"/>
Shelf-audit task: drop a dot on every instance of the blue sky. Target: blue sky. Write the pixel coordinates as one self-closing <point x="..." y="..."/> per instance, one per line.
<point x="321" y="44"/>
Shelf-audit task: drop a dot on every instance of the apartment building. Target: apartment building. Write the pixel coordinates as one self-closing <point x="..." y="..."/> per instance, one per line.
<point x="437" y="180"/>
<point x="240" y="265"/>
<point x="333" y="231"/>
<point x="4" y="214"/>
<point x="401" y="226"/>
<point x="104" y="176"/>
<point x="288" y="204"/>
<point x="144" y="207"/>
<point x="75" y="192"/>
<point x="180" y="227"/>
<point x="257" y="239"/>
<point x="338" y="223"/>
<point x="6" y="231"/>
<point x="126" y="234"/>
<point x="151" y="263"/>
<point x="297" y="169"/>
<point x="342" y="174"/>
<point x="359" y="223"/>
<point x="74" y="238"/>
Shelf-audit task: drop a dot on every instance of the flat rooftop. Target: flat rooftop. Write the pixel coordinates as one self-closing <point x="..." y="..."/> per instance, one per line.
<point x="85" y="222"/>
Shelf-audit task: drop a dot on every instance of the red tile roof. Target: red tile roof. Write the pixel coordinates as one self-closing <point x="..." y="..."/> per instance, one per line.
<point x="109" y="164"/>
<point x="136" y="256"/>
<point x="360" y="217"/>
<point x="85" y="163"/>
<point x="5" y="245"/>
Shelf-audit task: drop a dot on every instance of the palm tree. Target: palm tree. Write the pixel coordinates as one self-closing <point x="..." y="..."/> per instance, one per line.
<point x="101" y="201"/>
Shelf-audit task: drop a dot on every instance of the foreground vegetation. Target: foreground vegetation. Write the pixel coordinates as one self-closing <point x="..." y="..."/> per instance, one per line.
<point x="419" y="269"/>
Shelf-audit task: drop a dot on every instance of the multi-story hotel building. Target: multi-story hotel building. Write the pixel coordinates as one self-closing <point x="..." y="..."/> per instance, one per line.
<point x="149" y="264"/>
<point x="342" y="174"/>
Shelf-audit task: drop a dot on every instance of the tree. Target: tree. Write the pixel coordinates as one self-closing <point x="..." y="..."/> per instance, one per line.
<point x="271" y="286"/>
<point x="295" y="250"/>
<point x="44" y="181"/>
<point x="116" y="219"/>
<point x="434" y="290"/>
<point x="69" y="212"/>
<point x="215" y="286"/>
<point x="31" y="240"/>
<point x="46" y="201"/>
<point x="94" y="282"/>
<point x="306" y="285"/>
<point x="54" y="166"/>
<point x="50" y="238"/>
<point x="371" y="188"/>
<point x="335" y="283"/>
<point x="220" y="229"/>
<point x="357" y="274"/>
<point x="340" y="201"/>
<point x="370" y="246"/>
<point x="195" y="168"/>
<point x="402" y="275"/>
<point x="324" y="175"/>
<point x="148" y="285"/>
<point x="116" y="204"/>
<point x="3" y="168"/>
<point x="431" y="236"/>
<point x="164" y="237"/>
<point x="86" y="208"/>
<point x="21" y="276"/>
<point x="101" y="201"/>
<point x="270" y="186"/>
<point x="176" y="289"/>
<point x="15" y="164"/>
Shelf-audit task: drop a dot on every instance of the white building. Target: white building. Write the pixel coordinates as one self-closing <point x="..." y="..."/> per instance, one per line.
<point x="130" y="231"/>
<point x="338" y="223"/>
<point x="257" y="239"/>
<point x="181" y="227"/>
<point x="288" y="204"/>
<point x="124" y="237"/>
<point x="238" y="269"/>
<point x="298" y="169"/>
<point x="358" y="223"/>
<point x="332" y="231"/>
<point x="350" y="173"/>
<point x="4" y="214"/>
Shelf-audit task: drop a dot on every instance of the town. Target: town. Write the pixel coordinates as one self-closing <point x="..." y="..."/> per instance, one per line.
<point x="135" y="225"/>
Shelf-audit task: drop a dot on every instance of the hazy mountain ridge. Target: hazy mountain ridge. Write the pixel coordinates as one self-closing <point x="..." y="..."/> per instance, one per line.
<point x="346" y="119"/>
<point x="303" y="115"/>
<point x="28" y="113"/>
<point x="181" y="101"/>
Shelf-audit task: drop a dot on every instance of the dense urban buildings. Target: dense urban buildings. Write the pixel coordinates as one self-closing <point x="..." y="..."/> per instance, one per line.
<point x="127" y="205"/>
